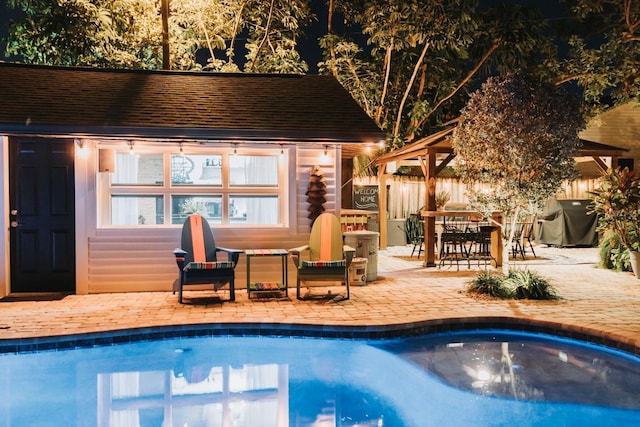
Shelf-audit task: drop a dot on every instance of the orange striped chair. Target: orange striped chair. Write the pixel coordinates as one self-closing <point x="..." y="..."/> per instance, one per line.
<point x="197" y="259"/>
<point x="328" y="259"/>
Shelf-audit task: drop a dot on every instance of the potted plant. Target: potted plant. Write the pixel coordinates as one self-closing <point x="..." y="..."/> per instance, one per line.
<point x="442" y="198"/>
<point x="617" y="204"/>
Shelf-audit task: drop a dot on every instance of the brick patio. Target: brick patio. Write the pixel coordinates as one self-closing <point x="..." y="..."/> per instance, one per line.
<point x="600" y="304"/>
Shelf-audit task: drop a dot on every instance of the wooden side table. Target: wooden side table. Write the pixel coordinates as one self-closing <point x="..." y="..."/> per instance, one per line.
<point x="258" y="288"/>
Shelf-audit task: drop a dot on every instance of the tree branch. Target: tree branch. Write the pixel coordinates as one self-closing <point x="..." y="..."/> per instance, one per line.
<point x="396" y="129"/>
<point x="570" y="78"/>
<point x="628" y="36"/>
<point x="464" y="81"/>
<point x="387" y="66"/>
<point x="266" y="35"/>
<point x="332" y="47"/>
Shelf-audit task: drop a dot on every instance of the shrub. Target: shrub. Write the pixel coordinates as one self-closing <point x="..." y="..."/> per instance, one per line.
<point x="529" y="285"/>
<point x="518" y="284"/>
<point x="490" y="283"/>
<point x="613" y="255"/>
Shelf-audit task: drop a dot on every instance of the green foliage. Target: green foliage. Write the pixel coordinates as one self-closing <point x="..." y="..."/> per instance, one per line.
<point x="101" y="33"/>
<point x="517" y="284"/>
<point x="526" y="284"/>
<point x="516" y="142"/>
<point x="417" y="60"/>
<point x="604" y="62"/>
<point x="442" y="198"/>
<point x="128" y="34"/>
<point x="617" y="203"/>
<point x="490" y="283"/>
<point x="613" y="255"/>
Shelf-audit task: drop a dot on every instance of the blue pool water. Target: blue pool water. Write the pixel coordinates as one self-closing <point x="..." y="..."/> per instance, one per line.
<point x="480" y="378"/>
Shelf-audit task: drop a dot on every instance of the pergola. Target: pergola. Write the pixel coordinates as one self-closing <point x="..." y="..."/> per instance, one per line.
<point x="434" y="153"/>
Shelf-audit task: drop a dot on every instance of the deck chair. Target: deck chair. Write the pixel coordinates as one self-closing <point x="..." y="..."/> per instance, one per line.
<point x="328" y="258"/>
<point x="197" y="259"/>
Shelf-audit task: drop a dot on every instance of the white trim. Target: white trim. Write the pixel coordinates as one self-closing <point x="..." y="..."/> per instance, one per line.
<point x="5" y="246"/>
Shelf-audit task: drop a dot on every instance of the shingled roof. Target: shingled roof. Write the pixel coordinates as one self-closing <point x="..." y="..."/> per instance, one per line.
<point x="174" y="104"/>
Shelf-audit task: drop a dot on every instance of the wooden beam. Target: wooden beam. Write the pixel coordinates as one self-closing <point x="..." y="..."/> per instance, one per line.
<point x="430" y="205"/>
<point x="601" y="164"/>
<point x="382" y="205"/>
<point x="444" y="163"/>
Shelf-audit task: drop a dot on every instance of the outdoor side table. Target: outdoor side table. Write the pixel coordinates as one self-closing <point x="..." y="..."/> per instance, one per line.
<point x="267" y="287"/>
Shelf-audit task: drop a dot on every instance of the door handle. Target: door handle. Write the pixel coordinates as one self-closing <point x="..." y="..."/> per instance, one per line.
<point x="14" y="224"/>
<point x="14" y="212"/>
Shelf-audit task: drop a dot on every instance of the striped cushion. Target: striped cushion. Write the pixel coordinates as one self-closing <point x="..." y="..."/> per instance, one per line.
<point x="340" y="263"/>
<point x="209" y="265"/>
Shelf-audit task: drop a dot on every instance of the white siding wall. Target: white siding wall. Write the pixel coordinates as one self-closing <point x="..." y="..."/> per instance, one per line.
<point x="141" y="259"/>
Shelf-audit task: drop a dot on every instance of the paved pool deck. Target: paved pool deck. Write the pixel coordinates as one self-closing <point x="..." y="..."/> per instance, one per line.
<point x="596" y="303"/>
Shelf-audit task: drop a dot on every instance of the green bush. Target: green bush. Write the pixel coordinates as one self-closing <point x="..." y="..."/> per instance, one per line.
<point x="518" y="284"/>
<point x="529" y="285"/>
<point x="613" y="254"/>
<point x="490" y="283"/>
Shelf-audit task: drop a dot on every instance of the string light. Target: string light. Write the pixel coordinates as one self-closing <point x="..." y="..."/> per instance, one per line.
<point x="131" y="150"/>
<point x="181" y="150"/>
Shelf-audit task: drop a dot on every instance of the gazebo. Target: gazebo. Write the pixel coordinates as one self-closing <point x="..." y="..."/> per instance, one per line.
<point x="434" y="153"/>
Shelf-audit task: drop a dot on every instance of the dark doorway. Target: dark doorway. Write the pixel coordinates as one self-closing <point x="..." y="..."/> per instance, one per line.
<point x="42" y="215"/>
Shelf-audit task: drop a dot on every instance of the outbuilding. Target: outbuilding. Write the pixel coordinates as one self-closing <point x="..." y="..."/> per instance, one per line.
<point x="100" y="168"/>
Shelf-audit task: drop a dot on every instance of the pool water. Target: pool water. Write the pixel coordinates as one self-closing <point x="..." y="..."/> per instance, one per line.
<point x="480" y="378"/>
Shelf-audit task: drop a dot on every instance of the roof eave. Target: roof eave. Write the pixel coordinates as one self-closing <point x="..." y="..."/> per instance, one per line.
<point x="257" y="135"/>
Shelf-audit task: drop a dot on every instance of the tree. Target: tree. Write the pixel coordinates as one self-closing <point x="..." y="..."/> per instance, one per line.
<point x="128" y="34"/>
<point x="604" y="51"/>
<point x="101" y="33"/>
<point x="515" y="145"/>
<point x="416" y="61"/>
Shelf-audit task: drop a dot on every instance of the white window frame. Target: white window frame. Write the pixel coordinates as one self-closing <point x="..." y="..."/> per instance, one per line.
<point x="167" y="190"/>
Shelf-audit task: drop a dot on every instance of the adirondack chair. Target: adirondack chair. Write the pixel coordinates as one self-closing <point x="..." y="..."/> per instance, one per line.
<point x="328" y="258"/>
<point x="197" y="259"/>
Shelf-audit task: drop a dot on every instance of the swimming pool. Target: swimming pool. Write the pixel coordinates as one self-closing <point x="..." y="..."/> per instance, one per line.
<point x="474" y="378"/>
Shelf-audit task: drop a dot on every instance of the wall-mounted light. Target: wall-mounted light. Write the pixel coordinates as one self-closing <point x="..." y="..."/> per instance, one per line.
<point x="391" y="167"/>
<point x="324" y="158"/>
<point x="381" y="143"/>
<point x="81" y="147"/>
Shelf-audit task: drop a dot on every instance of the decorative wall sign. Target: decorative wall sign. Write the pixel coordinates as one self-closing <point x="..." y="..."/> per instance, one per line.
<point x="365" y="197"/>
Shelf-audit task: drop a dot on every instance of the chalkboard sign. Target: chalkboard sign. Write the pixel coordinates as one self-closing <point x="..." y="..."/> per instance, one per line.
<point x="365" y="197"/>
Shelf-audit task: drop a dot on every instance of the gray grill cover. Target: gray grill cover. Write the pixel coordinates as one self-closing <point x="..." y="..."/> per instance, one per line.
<point x="567" y="223"/>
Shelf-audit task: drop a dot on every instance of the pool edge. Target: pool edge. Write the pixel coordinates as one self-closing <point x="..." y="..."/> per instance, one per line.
<point x="122" y="336"/>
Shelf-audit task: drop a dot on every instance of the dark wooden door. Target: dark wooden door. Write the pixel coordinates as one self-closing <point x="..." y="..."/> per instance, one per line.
<point x="42" y="204"/>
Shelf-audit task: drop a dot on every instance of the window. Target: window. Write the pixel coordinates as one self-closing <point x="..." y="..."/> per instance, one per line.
<point x="159" y="187"/>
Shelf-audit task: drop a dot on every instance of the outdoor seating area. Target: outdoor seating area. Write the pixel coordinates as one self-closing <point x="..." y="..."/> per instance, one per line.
<point x="465" y="241"/>
<point x="326" y="259"/>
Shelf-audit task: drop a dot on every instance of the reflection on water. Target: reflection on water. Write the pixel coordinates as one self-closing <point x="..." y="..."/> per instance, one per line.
<point x="263" y="381"/>
<point x="527" y="367"/>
